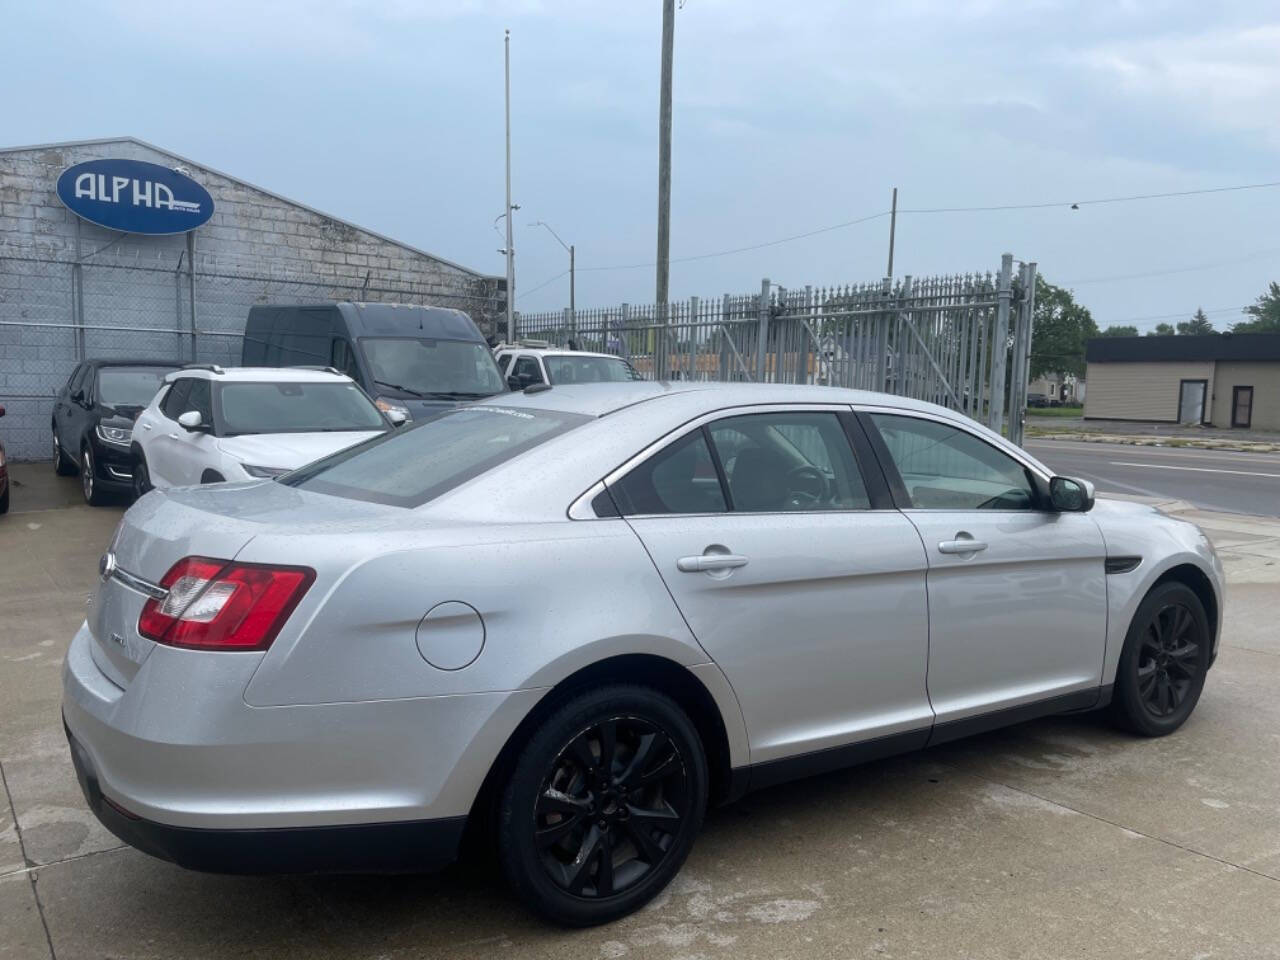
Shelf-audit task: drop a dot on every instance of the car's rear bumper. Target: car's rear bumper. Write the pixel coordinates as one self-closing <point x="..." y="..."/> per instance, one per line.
<point x="406" y="846"/>
<point x="173" y="761"/>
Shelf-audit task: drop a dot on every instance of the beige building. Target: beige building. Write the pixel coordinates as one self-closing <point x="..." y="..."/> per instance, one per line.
<point x="1221" y="380"/>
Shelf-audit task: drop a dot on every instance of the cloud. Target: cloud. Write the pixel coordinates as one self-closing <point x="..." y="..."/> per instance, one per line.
<point x="1226" y="79"/>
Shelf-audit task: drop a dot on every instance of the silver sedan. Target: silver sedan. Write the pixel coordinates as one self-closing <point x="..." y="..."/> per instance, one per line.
<point x="574" y="617"/>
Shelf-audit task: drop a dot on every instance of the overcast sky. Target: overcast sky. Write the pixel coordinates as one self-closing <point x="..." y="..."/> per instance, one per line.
<point x="788" y="117"/>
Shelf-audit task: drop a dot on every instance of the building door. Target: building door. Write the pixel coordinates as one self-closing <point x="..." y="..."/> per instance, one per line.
<point x="1191" y="401"/>
<point x="1242" y="406"/>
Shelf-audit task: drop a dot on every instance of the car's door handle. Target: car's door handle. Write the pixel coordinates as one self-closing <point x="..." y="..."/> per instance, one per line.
<point x="173" y="436"/>
<point x="961" y="545"/>
<point x="146" y="426"/>
<point x="710" y="561"/>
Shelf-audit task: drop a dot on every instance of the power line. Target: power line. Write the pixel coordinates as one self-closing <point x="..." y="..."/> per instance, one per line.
<point x="544" y="283"/>
<point x="935" y="210"/>
<point x="754" y="246"/>
<point x="1089" y="203"/>
<point x="1247" y="258"/>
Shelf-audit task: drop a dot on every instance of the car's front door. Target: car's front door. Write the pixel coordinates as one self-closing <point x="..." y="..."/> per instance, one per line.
<point x="1017" y="592"/>
<point x="67" y="414"/>
<point x="193" y="450"/>
<point x="781" y="549"/>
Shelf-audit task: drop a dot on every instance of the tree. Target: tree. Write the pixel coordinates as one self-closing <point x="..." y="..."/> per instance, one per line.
<point x="1119" y="331"/>
<point x="1197" y="326"/>
<point x="1059" y="330"/>
<point x="1265" y="313"/>
<point x="1162" y="330"/>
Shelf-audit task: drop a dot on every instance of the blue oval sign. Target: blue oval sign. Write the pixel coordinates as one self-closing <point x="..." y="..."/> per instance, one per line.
<point x="134" y="196"/>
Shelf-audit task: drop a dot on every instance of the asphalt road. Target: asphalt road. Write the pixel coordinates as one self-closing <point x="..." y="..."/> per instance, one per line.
<point x="1212" y="479"/>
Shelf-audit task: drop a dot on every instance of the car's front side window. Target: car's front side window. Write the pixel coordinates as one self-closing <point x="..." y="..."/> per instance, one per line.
<point x="174" y="404"/>
<point x="945" y="468"/>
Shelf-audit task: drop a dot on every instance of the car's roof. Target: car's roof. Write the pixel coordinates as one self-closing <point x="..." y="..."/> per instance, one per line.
<point x="261" y="375"/>
<point x="601" y="399"/>
<point x="135" y="362"/>
<point x="558" y="352"/>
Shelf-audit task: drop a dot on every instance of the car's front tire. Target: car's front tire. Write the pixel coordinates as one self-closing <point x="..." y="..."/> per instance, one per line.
<point x="1164" y="662"/>
<point x="603" y="805"/>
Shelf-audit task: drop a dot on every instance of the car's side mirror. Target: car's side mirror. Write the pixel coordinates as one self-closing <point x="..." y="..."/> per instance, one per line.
<point x="191" y="420"/>
<point x="396" y="417"/>
<point x="1069" y="495"/>
<point x="518" y="381"/>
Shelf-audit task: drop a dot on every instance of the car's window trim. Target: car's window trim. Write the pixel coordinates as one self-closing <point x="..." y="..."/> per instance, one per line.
<point x="898" y="488"/>
<point x="580" y="507"/>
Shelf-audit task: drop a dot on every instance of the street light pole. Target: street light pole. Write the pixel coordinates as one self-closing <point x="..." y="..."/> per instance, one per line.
<point x="893" y="225"/>
<point x="511" y="253"/>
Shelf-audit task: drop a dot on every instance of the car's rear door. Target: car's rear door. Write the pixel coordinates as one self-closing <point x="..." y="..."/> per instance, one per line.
<point x="780" y="546"/>
<point x="1017" y="592"/>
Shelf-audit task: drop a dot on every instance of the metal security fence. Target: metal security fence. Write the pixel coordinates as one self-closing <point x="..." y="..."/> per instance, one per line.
<point x="961" y="341"/>
<point x="55" y="312"/>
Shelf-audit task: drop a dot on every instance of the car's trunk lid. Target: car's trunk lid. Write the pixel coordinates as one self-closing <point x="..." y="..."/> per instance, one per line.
<point x="164" y="527"/>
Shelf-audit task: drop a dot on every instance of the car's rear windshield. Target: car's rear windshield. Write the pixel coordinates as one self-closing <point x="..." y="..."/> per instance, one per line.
<point x="295" y="407"/>
<point x="130" y="386"/>
<point x="568" y="368"/>
<point x="409" y="466"/>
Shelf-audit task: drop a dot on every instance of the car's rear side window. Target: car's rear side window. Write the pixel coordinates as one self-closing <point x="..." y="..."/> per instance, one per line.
<point x="409" y="466"/>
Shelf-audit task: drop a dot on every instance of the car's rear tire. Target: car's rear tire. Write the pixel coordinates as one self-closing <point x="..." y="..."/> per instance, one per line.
<point x="62" y="466"/>
<point x="583" y="841"/>
<point x="141" y="476"/>
<point x="93" y="494"/>
<point x="1164" y="662"/>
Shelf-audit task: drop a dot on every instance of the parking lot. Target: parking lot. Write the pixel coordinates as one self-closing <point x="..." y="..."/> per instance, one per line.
<point x="1059" y="838"/>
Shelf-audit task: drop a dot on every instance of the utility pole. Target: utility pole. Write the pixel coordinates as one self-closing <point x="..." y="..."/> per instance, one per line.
<point x="511" y="253"/>
<point x="664" y="158"/>
<point x="569" y="247"/>
<point x="893" y="223"/>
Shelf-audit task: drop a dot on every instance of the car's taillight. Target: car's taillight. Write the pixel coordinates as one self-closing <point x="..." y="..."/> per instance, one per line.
<point x="221" y="605"/>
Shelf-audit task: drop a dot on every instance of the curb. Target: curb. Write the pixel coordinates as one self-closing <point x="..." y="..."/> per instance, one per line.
<point x="1173" y="443"/>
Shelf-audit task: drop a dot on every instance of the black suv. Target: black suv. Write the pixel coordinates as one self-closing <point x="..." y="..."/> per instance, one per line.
<point x="93" y="418"/>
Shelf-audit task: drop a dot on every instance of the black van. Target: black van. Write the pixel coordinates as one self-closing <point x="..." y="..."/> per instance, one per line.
<point x="416" y="359"/>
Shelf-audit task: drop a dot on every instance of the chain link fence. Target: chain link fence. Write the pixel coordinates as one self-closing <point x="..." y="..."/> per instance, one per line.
<point x="962" y="341"/>
<point x="55" y="312"/>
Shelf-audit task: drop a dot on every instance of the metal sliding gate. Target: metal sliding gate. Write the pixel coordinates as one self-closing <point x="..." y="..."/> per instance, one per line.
<point x="961" y="341"/>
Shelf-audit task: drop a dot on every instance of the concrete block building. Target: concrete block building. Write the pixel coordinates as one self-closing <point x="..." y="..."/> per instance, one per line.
<point x="70" y="290"/>
<point x="1221" y="380"/>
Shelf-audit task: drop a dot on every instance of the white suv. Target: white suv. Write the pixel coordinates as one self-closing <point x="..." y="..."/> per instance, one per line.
<point x="524" y="366"/>
<point x="208" y="424"/>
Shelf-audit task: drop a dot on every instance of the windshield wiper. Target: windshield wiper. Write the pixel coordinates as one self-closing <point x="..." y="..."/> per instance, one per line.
<point x="456" y="395"/>
<point x="396" y="386"/>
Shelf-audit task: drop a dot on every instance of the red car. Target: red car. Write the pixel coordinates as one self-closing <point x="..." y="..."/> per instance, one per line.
<point x="4" y="476"/>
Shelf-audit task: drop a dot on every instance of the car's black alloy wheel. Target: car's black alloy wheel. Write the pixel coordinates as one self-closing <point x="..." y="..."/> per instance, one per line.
<point x="1164" y="661"/>
<point x="603" y="805"/>
<point x="141" y="478"/>
<point x="88" y="482"/>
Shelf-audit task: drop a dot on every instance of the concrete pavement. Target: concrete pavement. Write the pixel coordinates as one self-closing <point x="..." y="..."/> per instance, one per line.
<point x="1060" y="838"/>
